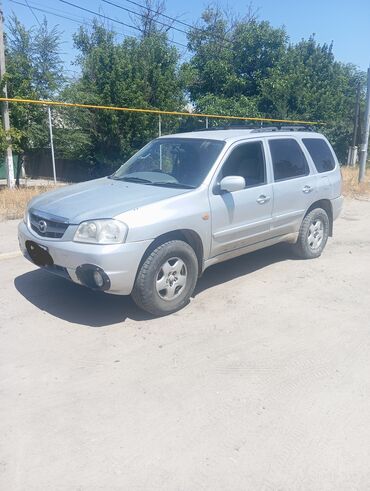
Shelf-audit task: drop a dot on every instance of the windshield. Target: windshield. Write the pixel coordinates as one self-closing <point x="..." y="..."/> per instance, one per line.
<point x="172" y="162"/>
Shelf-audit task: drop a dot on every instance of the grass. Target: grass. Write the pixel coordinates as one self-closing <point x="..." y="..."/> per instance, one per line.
<point x="13" y="201"/>
<point x="351" y="186"/>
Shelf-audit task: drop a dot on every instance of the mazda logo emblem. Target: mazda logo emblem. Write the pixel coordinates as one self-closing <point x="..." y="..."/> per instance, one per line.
<point x="42" y="225"/>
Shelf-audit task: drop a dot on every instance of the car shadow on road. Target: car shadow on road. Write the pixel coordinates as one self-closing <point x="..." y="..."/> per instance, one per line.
<point x="243" y="265"/>
<point x="79" y="305"/>
<point x="74" y="303"/>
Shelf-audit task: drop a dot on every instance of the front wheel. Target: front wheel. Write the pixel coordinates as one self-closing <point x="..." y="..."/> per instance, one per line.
<point x="313" y="234"/>
<point x="166" y="278"/>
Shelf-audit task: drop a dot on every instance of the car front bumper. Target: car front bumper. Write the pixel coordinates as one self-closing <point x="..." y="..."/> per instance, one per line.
<point x="119" y="262"/>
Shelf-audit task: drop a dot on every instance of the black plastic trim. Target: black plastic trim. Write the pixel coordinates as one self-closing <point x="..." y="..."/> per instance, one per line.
<point x="85" y="274"/>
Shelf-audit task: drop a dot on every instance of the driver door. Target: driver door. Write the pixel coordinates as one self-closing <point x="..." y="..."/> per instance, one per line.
<point x="243" y="217"/>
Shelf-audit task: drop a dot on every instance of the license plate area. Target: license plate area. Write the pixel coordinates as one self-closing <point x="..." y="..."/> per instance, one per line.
<point x="39" y="254"/>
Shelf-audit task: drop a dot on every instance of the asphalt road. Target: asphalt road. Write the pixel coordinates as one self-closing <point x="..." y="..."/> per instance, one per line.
<point x="261" y="383"/>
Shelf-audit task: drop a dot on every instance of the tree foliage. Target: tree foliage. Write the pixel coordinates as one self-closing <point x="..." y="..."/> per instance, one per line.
<point x="237" y="66"/>
<point x="34" y="71"/>
<point x="309" y="84"/>
<point x="250" y="68"/>
<point x="140" y="73"/>
<point x="230" y="60"/>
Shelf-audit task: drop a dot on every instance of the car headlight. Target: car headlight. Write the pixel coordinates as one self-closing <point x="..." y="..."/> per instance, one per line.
<point x="25" y="216"/>
<point x="101" y="232"/>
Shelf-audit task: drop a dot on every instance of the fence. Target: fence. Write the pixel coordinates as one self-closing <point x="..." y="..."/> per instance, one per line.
<point x="57" y="162"/>
<point x="3" y="166"/>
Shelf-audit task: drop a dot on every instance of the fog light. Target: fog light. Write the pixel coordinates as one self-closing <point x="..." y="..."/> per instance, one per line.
<point x="92" y="276"/>
<point x="99" y="280"/>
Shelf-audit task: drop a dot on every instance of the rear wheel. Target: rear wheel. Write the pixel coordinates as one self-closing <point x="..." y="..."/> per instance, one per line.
<point x="167" y="278"/>
<point x="313" y="234"/>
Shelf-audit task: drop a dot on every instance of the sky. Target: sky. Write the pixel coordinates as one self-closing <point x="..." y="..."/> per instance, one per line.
<point x="346" y="23"/>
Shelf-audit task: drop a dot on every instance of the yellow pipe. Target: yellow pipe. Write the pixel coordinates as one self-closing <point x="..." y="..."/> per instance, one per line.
<point x="151" y="111"/>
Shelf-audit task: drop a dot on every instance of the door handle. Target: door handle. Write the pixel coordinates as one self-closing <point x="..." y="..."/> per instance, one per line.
<point x="263" y="199"/>
<point x="307" y="189"/>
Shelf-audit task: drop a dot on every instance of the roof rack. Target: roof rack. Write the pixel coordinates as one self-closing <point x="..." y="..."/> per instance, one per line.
<point x="259" y="128"/>
<point x="297" y="128"/>
<point x="265" y="128"/>
<point x="230" y="127"/>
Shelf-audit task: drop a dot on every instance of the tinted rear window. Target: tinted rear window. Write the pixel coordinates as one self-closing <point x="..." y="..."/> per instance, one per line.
<point x="288" y="159"/>
<point x="320" y="154"/>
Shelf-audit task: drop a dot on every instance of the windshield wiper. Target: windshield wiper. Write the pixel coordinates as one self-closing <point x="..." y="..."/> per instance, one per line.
<point x="135" y="179"/>
<point x="141" y="180"/>
<point x="170" y="184"/>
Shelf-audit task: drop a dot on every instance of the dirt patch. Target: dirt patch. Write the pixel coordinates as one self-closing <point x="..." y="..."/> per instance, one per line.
<point x="260" y="383"/>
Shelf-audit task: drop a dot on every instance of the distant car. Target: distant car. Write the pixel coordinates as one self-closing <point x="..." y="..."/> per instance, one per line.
<point x="183" y="203"/>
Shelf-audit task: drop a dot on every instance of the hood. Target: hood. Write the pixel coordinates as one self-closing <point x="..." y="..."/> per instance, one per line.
<point x="101" y="198"/>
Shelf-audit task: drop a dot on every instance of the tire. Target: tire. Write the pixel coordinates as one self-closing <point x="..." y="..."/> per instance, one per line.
<point x="166" y="279"/>
<point x="313" y="234"/>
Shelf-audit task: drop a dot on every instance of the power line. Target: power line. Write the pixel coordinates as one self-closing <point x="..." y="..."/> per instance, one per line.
<point x="113" y="20"/>
<point x="164" y="15"/>
<point x="33" y="13"/>
<point x="57" y="15"/>
<point x="173" y="19"/>
<point x="81" y="21"/>
<point x="48" y="12"/>
<point x="100" y="15"/>
<point x="77" y="20"/>
<point x="143" y="16"/>
<point x="120" y="22"/>
<point x="62" y="11"/>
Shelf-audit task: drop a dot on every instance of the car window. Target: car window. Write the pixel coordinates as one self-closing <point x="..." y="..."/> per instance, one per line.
<point x="175" y="162"/>
<point x="320" y="154"/>
<point x="288" y="159"/>
<point x="246" y="160"/>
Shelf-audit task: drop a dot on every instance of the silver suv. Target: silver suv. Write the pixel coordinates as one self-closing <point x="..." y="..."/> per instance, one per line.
<point x="183" y="203"/>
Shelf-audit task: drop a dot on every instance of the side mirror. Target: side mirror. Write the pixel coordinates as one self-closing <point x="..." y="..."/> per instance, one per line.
<point x="232" y="183"/>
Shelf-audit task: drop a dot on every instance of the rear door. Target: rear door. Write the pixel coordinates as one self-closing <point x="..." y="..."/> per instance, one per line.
<point x="294" y="184"/>
<point x="329" y="185"/>
<point x="242" y="217"/>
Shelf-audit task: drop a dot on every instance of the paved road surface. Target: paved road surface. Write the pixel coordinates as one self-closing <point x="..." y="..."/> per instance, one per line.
<point x="261" y="383"/>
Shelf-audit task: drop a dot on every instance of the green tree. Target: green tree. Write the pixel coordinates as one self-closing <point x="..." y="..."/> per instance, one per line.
<point x="230" y="60"/>
<point x="137" y="72"/>
<point x="257" y="48"/>
<point x="13" y="134"/>
<point x="309" y="84"/>
<point x="210" y="70"/>
<point x="248" y="68"/>
<point x="34" y="71"/>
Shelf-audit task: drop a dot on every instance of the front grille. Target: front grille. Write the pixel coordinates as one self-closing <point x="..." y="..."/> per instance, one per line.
<point x="46" y="225"/>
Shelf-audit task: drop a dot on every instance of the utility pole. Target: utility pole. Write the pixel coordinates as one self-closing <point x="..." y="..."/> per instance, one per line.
<point x="52" y="144"/>
<point x="5" y="109"/>
<point x="352" y="154"/>
<point x="365" y="140"/>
